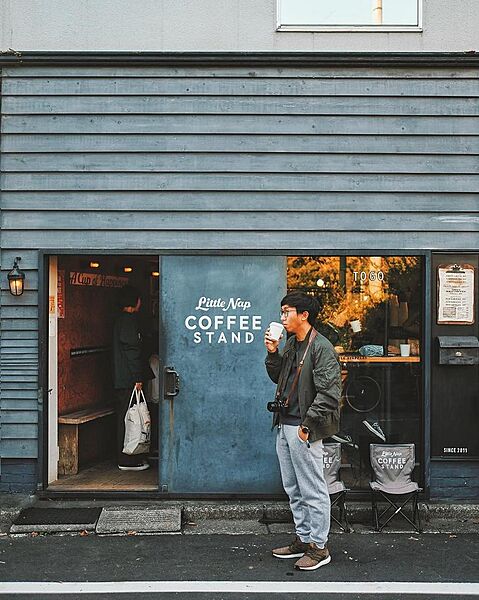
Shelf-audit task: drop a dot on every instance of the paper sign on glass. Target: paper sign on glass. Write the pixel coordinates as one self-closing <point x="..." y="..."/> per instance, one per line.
<point x="455" y="295"/>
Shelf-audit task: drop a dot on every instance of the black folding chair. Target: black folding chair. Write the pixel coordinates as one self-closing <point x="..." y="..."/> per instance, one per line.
<point x="336" y="488"/>
<point x="392" y="466"/>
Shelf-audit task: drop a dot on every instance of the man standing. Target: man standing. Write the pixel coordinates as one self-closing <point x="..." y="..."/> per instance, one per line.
<point x="129" y="369"/>
<point x="308" y="391"/>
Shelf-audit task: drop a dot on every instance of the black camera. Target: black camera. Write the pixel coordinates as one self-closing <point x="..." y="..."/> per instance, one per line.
<point x="277" y="407"/>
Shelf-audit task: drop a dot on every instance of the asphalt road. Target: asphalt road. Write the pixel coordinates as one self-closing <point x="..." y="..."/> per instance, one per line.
<point x="358" y="561"/>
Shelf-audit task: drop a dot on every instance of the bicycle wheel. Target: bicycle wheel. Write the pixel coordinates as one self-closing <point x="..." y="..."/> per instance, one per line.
<point x="363" y="393"/>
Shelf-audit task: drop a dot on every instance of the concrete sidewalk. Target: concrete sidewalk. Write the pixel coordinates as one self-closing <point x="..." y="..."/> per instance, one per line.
<point x="241" y="517"/>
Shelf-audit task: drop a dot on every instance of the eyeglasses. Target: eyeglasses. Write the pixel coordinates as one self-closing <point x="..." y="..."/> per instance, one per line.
<point x="284" y="314"/>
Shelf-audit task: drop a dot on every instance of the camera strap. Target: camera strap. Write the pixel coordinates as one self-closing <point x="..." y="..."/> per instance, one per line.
<point x="312" y="335"/>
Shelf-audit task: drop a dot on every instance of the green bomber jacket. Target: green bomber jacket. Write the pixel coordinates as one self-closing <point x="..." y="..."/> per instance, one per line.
<point x="319" y="385"/>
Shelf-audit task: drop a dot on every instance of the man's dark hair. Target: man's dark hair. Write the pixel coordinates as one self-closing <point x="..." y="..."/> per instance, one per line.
<point x="302" y="303"/>
<point x="128" y="296"/>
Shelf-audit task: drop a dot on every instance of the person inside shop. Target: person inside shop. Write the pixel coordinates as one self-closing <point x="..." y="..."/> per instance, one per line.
<point x="130" y="369"/>
<point x="305" y="410"/>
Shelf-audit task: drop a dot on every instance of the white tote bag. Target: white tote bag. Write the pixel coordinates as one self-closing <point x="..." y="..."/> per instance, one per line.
<point x="137" y="425"/>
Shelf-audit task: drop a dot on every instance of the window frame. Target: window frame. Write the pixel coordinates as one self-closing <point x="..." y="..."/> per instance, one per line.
<point x="351" y="28"/>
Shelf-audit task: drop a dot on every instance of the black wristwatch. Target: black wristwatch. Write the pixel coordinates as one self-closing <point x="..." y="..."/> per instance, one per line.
<point x="304" y="429"/>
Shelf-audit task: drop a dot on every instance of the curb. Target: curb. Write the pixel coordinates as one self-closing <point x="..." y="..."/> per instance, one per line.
<point x="241" y="516"/>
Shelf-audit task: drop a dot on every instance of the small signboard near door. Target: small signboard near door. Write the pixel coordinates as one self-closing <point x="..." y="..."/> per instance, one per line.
<point x="215" y="434"/>
<point x="455" y="295"/>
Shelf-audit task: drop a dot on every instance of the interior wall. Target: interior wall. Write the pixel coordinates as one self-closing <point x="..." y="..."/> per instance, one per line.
<point x="85" y="331"/>
<point x="84" y="381"/>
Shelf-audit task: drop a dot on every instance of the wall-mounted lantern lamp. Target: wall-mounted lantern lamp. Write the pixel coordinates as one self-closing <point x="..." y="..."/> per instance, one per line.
<point x="16" y="279"/>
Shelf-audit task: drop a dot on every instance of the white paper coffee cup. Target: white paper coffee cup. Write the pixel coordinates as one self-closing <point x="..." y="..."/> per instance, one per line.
<point x="405" y="349"/>
<point x="275" y="330"/>
<point x="355" y="326"/>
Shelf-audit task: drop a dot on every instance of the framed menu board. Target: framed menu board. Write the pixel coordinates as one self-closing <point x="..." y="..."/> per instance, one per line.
<point x="455" y="294"/>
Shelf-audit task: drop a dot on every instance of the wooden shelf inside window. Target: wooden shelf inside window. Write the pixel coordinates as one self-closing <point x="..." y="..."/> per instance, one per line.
<point x="379" y="359"/>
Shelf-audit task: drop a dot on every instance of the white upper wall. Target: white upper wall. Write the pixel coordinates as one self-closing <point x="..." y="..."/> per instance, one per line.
<point x="214" y="25"/>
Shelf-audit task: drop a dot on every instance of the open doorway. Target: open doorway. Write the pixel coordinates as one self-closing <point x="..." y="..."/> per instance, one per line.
<point x="84" y="302"/>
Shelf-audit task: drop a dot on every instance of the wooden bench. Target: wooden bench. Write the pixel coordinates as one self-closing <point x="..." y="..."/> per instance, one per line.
<point x="76" y="445"/>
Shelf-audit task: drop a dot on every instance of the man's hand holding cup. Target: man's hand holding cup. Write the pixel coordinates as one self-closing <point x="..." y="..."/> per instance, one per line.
<point x="273" y="336"/>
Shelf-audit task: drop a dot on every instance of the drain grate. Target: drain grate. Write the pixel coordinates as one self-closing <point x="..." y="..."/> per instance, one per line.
<point x="55" y="519"/>
<point x="141" y="519"/>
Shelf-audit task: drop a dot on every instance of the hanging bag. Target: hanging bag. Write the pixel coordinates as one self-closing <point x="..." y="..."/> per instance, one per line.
<point x="137" y="425"/>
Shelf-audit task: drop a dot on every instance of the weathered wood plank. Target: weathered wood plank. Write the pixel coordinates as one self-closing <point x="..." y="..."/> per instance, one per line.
<point x="449" y="468"/>
<point x="337" y="72"/>
<point x="18" y="355"/>
<point x="18" y="325"/>
<point x="257" y="86"/>
<point x="259" y="201"/>
<point x="12" y="368"/>
<point x="26" y="417"/>
<point x="15" y="365"/>
<point x="19" y="430"/>
<point x="27" y="391"/>
<point x="456" y="482"/>
<point x="21" y="448"/>
<point x="17" y="345"/>
<point x="18" y="379"/>
<point x="242" y="124"/>
<point x="29" y="258"/>
<point x="239" y="221"/>
<point x="211" y="162"/>
<point x="20" y="312"/>
<point x="237" y="105"/>
<point x="8" y="388"/>
<point x="28" y="298"/>
<point x="17" y="404"/>
<point x="447" y="493"/>
<point x="386" y="144"/>
<point x="232" y="182"/>
<point x="18" y="335"/>
<point x="237" y="242"/>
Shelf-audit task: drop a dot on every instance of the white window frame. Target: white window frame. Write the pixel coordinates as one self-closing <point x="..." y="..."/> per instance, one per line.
<point x="350" y="28"/>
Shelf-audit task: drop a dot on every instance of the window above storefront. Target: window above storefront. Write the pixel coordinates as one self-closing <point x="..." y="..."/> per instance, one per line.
<point x="349" y="15"/>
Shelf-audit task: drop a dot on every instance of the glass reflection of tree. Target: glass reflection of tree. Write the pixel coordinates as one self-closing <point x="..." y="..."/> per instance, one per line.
<point x="347" y="291"/>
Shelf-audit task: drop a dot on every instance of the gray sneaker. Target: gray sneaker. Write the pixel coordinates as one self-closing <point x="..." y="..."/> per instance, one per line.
<point x="313" y="558"/>
<point x="347" y="440"/>
<point x="375" y="429"/>
<point x="295" y="550"/>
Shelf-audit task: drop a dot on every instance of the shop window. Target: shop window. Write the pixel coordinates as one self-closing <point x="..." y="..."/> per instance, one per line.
<point x="369" y="15"/>
<point x="371" y="311"/>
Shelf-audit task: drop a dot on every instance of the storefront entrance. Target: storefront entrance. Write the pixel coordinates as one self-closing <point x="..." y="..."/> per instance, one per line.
<point x="82" y="420"/>
<point x="202" y="322"/>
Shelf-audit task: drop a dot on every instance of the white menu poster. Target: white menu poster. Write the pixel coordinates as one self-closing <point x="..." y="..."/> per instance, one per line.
<point x="456" y="295"/>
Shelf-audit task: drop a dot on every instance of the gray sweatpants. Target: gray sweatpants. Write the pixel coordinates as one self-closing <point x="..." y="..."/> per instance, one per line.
<point x="303" y="480"/>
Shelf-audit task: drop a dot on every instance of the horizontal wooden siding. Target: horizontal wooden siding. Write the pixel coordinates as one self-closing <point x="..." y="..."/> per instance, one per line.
<point x="223" y="159"/>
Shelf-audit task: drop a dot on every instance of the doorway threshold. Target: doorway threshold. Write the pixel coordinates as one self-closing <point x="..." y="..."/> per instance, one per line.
<point x="106" y="477"/>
